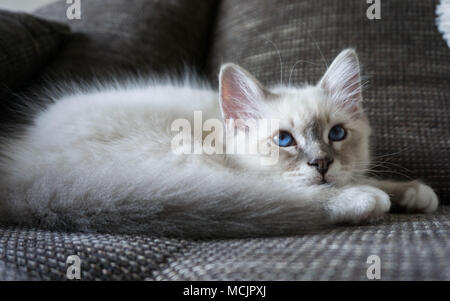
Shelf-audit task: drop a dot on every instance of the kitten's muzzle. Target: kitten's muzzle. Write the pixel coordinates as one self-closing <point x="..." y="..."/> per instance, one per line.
<point x="321" y="164"/>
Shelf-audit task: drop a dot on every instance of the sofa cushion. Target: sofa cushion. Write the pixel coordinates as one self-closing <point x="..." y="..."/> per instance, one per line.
<point x="40" y="254"/>
<point x="13" y="273"/>
<point x="404" y="59"/>
<point x="410" y="247"/>
<point x="27" y="43"/>
<point x="119" y="38"/>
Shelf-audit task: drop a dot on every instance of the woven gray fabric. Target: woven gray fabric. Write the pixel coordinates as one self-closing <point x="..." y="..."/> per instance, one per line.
<point x="411" y="247"/>
<point x="121" y="39"/>
<point x="115" y="38"/>
<point x="26" y="44"/>
<point x="42" y="254"/>
<point x="12" y="274"/>
<point x="403" y="56"/>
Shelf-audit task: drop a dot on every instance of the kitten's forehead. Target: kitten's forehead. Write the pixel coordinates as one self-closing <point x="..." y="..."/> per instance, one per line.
<point x="306" y="110"/>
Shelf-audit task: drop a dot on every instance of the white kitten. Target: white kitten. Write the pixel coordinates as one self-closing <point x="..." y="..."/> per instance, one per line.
<point x="104" y="161"/>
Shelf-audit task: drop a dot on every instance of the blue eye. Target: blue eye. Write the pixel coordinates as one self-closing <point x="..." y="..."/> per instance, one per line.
<point x="284" y="139"/>
<point x="337" y="133"/>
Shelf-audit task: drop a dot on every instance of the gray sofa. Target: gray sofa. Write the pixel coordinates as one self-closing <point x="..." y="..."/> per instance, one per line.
<point x="404" y="59"/>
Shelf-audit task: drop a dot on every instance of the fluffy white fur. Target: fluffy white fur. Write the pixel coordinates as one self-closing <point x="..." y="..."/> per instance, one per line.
<point x="102" y="161"/>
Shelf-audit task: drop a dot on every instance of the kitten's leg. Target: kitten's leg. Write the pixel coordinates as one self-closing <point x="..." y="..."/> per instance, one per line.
<point x="358" y="204"/>
<point x="412" y="196"/>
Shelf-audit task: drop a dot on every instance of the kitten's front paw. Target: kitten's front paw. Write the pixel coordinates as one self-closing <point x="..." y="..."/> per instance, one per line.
<point x="417" y="197"/>
<point x="359" y="204"/>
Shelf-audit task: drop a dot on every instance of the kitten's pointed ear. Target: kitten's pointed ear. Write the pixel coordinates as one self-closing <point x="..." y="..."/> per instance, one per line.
<point x="342" y="81"/>
<point x="241" y="95"/>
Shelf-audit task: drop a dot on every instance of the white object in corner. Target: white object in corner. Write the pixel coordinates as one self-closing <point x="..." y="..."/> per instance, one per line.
<point x="443" y="19"/>
<point x="23" y="5"/>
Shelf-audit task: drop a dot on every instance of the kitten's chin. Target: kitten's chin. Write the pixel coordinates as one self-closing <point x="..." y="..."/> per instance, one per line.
<point x="319" y="180"/>
<point x="330" y="180"/>
<point x="324" y="181"/>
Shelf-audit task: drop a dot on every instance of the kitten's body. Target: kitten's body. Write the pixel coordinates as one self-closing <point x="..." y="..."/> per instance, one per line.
<point x="103" y="161"/>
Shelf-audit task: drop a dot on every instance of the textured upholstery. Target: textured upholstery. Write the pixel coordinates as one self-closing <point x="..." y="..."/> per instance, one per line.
<point x="12" y="274"/>
<point x="117" y="37"/>
<point x="403" y="57"/>
<point x="408" y="68"/>
<point x="27" y="43"/>
<point x="410" y="247"/>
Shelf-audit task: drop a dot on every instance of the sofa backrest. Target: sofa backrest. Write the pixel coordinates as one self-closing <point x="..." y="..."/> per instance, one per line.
<point x="404" y="58"/>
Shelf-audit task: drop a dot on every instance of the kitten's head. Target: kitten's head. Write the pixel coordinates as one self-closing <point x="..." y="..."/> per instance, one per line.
<point x="323" y="133"/>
